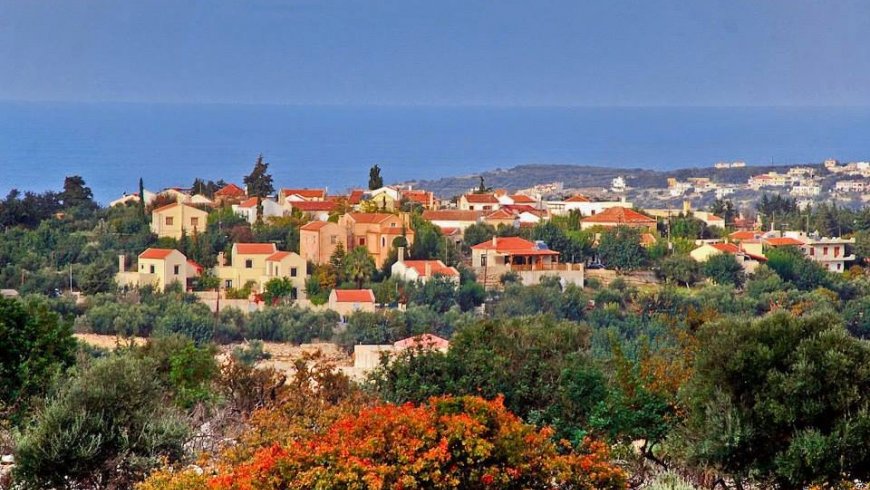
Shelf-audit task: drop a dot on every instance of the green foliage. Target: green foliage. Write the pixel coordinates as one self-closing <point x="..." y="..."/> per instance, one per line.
<point x="781" y="400"/>
<point x="76" y="193"/>
<point x="359" y="266"/>
<point x="105" y="428"/>
<point x="278" y="290"/>
<point x="620" y="249"/>
<point x="250" y="353"/>
<point x="477" y="233"/>
<point x="724" y="269"/>
<point x="679" y="269"/>
<point x="193" y="320"/>
<point x="375" y="179"/>
<point x="36" y="345"/>
<point x="573" y="247"/>
<point x="791" y="265"/>
<point x="259" y="181"/>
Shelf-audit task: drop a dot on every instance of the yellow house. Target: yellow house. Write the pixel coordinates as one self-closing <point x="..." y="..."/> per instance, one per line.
<point x="170" y="220"/>
<point x="375" y="232"/>
<point x="385" y="199"/>
<point x="259" y="263"/>
<point x="158" y="267"/>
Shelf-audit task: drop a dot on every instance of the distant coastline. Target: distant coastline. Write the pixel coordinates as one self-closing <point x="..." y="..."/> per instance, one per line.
<point x="112" y="145"/>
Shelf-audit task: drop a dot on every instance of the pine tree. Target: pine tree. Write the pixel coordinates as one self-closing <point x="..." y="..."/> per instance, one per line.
<point x="259" y="182"/>
<point x="375" y="179"/>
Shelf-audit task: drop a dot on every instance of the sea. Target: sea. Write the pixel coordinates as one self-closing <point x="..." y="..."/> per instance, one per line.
<point x="112" y="145"/>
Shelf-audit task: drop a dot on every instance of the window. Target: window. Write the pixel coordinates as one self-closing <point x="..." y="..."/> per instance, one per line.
<point x="194" y="221"/>
<point x="333" y="239"/>
<point x="292" y="272"/>
<point x="151" y="268"/>
<point x="362" y="242"/>
<point x="383" y="241"/>
<point x="812" y="251"/>
<point x="228" y="284"/>
<point x="839" y="266"/>
<point x="175" y="270"/>
<point x="392" y="225"/>
<point x="141" y="267"/>
<point x="483" y="260"/>
<point x="169" y="221"/>
<point x="836" y="251"/>
<point x="249" y="264"/>
<point x="824" y="250"/>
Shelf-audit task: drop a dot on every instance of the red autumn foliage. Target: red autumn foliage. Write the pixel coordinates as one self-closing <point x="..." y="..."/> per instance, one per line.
<point x="462" y="442"/>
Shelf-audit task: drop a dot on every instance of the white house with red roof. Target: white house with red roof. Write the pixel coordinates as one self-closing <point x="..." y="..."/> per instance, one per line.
<point x="345" y="302"/>
<point x="422" y="270"/>
<point x="530" y="260"/>
<point x="748" y="260"/>
<point x="248" y="209"/>
<point x="831" y="252"/>
<point x="521" y="199"/>
<point x="581" y="204"/>
<point x="479" y="202"/>
<point x="453" y="218"/>
<point x="157" y="267"/>
<point x="619" y="216"/>
<point x="230" y="193"/>
<point x="296" y="195"/>
<point x="313" y="210"/>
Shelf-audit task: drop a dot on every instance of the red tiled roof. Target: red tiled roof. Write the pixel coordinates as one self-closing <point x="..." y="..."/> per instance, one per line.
<point x="436" y="267"/>
<point x="248" y="203"/>
<point x="370" y="217"/>
<point x="619" y="215"/>
<point x="354" y="295"/>
<point x="314" y="225"/>
<point x="744" y="235"/>
<point x="481" y="198"/>
<point x="255" y="248"/>
<point x="451" y="215"/>
<point x="156" y="253"/>
<point x="425" y="340"/>
<point x="164" y="208"/>
<point x="304" y="193"/>
<point x="422" y="197"/>
<point x="230" y="190"/>
<point x="513" y="245"/>
<point x="783" y="242"/>
<point x="313" y="206"/>
<point x="578" y="198"/>
<point x="448" y="230"/>
<point x="522" y="199"/>
<point x="277" y="256"/>
<point x="500" y="214"/>
<point x="647" y="239"/>
<point x="728" y="248"/>
<point x="355" y="197"/>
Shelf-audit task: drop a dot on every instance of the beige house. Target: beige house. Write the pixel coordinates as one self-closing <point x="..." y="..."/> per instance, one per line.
<point x="453" y="219"/>
<point x="319" y="239"/>
<point x="747" y="260"/>
<point x="619" y="216"/>
<point x="258" y="263"/>
<point x="376" y="232"/>
<point x="157" y="267"/>
<point x="422" y="270"/>
<point x="348" y="301"/>
<point x="170" y="220"/>
<point x="479" y="202"/>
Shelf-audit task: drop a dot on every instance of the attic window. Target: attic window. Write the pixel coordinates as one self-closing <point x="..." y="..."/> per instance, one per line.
<point x="249" y="264"/>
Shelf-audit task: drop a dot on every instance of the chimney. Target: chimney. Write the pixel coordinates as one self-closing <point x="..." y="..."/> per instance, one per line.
<point x="428" y="268"/>
<point x="401" y="255"/>
<point x="220" y="259"/>
<point x="687" y="207"/>
<point x="122" y="263"/>
<point x="494" y="241"/>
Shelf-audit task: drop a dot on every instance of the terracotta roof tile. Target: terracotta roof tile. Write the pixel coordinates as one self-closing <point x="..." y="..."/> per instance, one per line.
<point x="255" y="248"/>
<point x="422" y="341"/>
<point x="578" y="198"/>
<point x="230" y="190"/>
<point x="314" y="225"/>
<point x="619" y="215"/>
<point x="435" y="266"/>
<point x="305" y="193"/>
<point x="513" y="245"/>
<point x="370" y="217"/>
<point x="314" y="206"/>
<point x="354" y="295"/>
<point x="156" y="253"/>
<point x="522" y="199"/>
<point x="783" y="242"/>
<point x="481" y="198"/>
<point x="277" y="256"/>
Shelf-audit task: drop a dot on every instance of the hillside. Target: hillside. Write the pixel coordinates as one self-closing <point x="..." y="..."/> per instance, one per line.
<point x="580" y="176"/>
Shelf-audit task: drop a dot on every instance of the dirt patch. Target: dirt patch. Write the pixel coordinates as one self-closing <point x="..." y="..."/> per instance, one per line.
<point x="110" y="342"/>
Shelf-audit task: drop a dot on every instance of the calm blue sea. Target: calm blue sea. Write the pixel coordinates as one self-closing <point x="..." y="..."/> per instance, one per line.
<point x="112" y="145"/>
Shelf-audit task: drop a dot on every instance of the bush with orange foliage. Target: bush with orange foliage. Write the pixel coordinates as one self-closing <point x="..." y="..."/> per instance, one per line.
<point x="464" y="442"/>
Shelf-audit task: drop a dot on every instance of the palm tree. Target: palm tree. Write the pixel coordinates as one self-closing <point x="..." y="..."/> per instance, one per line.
<point x="359" y="266"/>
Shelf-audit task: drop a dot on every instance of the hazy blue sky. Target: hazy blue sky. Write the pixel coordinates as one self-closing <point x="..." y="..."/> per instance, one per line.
<point x="500" y="52"/>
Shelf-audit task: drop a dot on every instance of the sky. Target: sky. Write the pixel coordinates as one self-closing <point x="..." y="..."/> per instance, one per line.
<point x="445" y="52"/>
